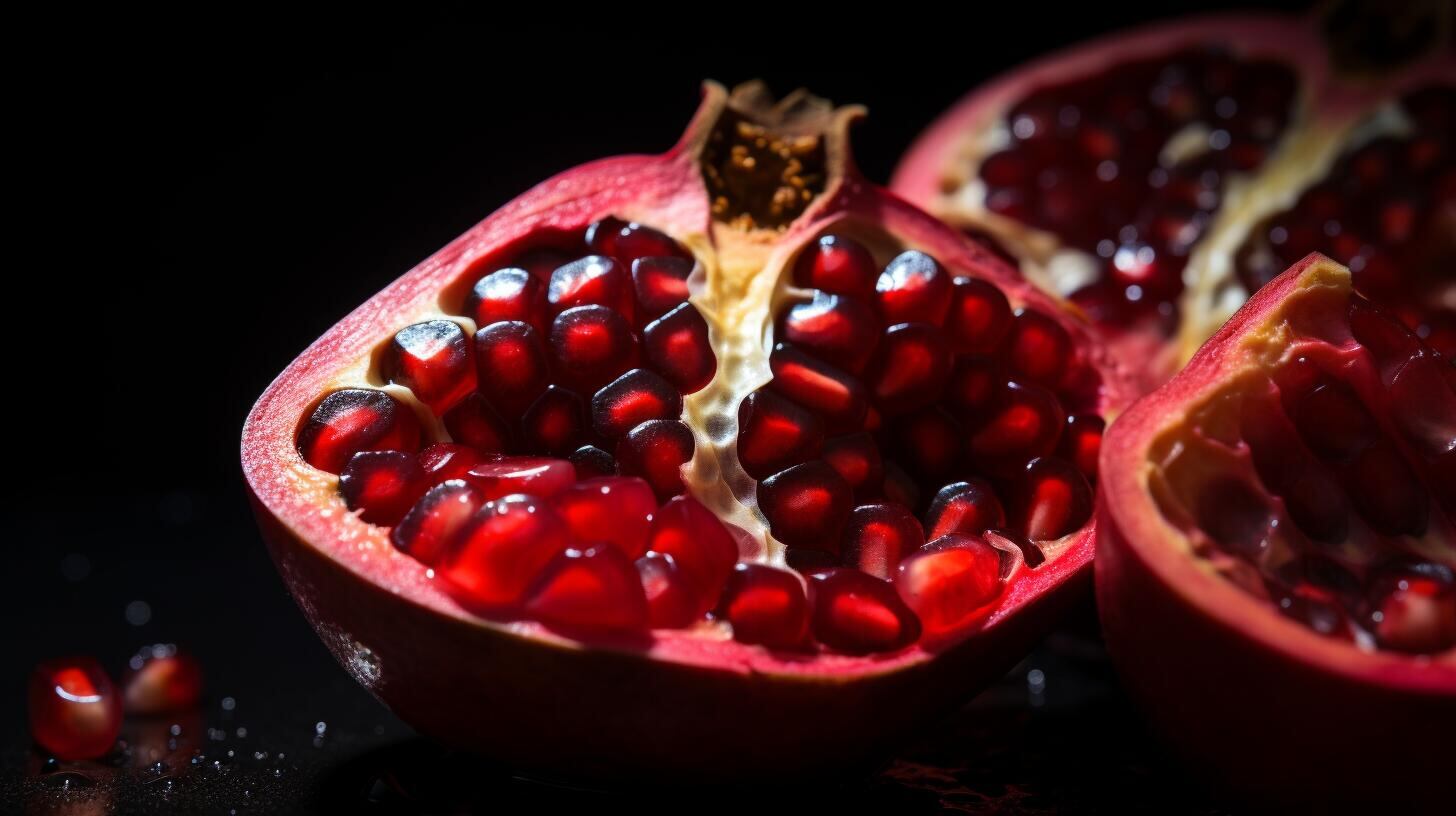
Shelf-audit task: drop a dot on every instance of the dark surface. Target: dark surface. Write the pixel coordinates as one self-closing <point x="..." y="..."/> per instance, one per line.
<point x="199" y="206"/>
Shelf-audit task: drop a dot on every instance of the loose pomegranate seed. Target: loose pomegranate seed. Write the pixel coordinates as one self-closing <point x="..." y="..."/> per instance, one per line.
<point x="909" y="369"/>
<point x="766" y="606"/>
<point x="913" y="289"/>
<point x="857" y="460"/>
<point x="1053" y="499"/>
<point x="1026" y="423"/>
<point x="593" y="280"/>
<point x="857" y="614"/>
<point x="445" y="460"/>
<point x="632" y="399"/>
<point x="593" y="345"/>
<point x="929" y="442"/>
<point x="969" y="508"/>
<point x="475" y="423"/>
<point x="509" y="294"/>
<point x="661" y="284"/>
<point x="878" y="536"/>
<point x="356" y="419"/>
<point x="836" y="397"/>
<point x="555" y="423"/>
<point x="432" y="359"/>
<point x="502" y="549"/>
<point x="430" y="527"/>
<point x="774" y="433"/>
<point x="596" y="588"/>
<point x="806" y="506"/>
<point x="629" y="241"/>
<point x="979" y="317"/>
<point x="671" y="601"/>
<point x="1082" y="442"/>
<point x="837" y="265"/>
<point x="1415" y="611"/>
<point x="75" y="711"/>
<point x="950" y="583"/>
<point x="382" y="485"/>
<point x="699" y="544"/>
<point x="656" y="450"/>
<point x="591" y="461"/>
<point x="502" y="475"/>
<point x="615" y="510"/>
<point x="511" y="365"/>
<point x="1040" y="349"/>
<point x="676" y="345"/>
<point x="974" y="385"/>
<point x="834" y="328"/>
<point x="160" y="679"/>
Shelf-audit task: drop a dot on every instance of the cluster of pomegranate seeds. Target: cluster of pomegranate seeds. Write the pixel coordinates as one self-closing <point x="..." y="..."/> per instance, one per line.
<point x="1386" y="211"/>
<point x="1129" y="166"/>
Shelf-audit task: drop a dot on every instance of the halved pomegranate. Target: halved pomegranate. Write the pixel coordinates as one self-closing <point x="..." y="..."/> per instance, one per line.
<point x="1276" y="546"/>
<point x="677" y="523"/>
<point x="1158" y="176"/>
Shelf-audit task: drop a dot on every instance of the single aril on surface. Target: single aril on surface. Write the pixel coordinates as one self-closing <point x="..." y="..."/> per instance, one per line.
<point x="1276" y="537"/>
<point x="666" y="438"/>
<point x="1158" y="176"/>
<point x="75" y="709"/>
<point x="160" y="679"/>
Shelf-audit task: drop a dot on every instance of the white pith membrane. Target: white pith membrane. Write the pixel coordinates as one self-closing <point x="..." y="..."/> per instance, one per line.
<point x="1201" y="472"/>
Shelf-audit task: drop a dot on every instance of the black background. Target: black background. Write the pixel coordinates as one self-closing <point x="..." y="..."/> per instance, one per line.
<point x="199" y="199"/>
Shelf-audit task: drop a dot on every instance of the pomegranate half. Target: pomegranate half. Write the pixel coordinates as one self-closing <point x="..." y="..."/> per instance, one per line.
<point x="719" y="464"/>
<point x="1276" y="546"/>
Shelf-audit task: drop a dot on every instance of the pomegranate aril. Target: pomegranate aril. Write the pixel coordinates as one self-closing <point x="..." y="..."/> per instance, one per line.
<point x="661" y="284"/>
<point x="593" y="280"/>
<point x="1082" y="442"/>
<point x="913" y="289"/>
<point x="1386" y="339"/>
<point x="591" y="461"/>
<point x="838" y="265"/>
<point x="1315" y="502"/>
<point x="430" y="527"/>
<point x="1414" y="611"/>
<point x="615" y="510"/>
<point x="774" y="433"/>
<point x="856" y="458"/>
<point x="160" y="679"/>
<point x="537" y="475"/>
<point x="699" y="544"/>
<point x="900" y="489"/>
<point x="834" y="328"/>
<point x="973" y="386"/>
<point x="969" y="508"/>
<point x="351" y="420"/>
<point x="857" y="614"/>
<point x="837" y="398"/>
<point x="595" y="588"/>
<point x="1423" y="404"/>
<point x="676" y="346"/>
<point x="979" y="317"/>
<point x="629" y="241"/>
<point x="878" y="536"/>
<point x="929" y="443"/>
<point x="1052" y="499"/>
<point x="476" y="423"/>
<point x="443" y="461"/>
<point x="909" y="369"/>
<point x="511" y="365"/>
<point x="1040" y="350"/>
<point x="806" y="506"/>
<point x="432" y="359"/>
<point x="1386" y="492"/>
<point x="382" y="485"/>
<point x="632" y="399"/>
<point x="555" y="423"/>
<point x="592" y="345"/>
<point x="766" y="606"/>
<point x="502" y="549"/>
<point x="950" y="582"/>
<point x="540" y="261"/>
<point x="671" y="601"/>
<point x="75" y="711"/>
<point x="656" y="450"/>
<point x="509" y="294"/>
<point x="1332" y="421"/>
<point x="1026" y="422"/>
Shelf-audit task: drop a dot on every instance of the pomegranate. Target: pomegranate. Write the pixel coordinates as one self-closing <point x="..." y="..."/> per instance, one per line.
<point x="1158" y="176"/>
<point x="683" y="431"/>
<point x="1276" y="545"/>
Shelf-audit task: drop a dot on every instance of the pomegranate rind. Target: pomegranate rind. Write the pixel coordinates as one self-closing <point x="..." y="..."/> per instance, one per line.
<point x="1262" y="704"/>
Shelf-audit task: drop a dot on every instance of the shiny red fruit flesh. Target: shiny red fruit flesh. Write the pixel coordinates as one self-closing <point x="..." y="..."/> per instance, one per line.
<point x="75" y="711"/>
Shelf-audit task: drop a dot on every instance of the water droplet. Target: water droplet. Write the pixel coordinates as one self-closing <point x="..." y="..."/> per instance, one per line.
<point x="228" y="704"/>
<point x="320" y="727"/>
<point x="242" y="732"/>
<point x="1024" y="127"/>
<point x="138" y="613"/>
<point x="175" y="730"/>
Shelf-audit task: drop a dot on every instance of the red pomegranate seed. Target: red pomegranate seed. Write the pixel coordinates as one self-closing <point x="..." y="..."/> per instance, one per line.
<point x="1386" y="492"/>
<point x="699" y="544"/>
<point x="661" y="284"/>
<point x="1423" y="404"/>
<point x="857" y="460"/>
<point x="432" y="359"/>
<point x="929" y="443"/>
<point x="1415" y="612"/>
<point x="160" y="679"/>
<point x="503" y="548"/>
<point x="356" y="419"/>
<point x="629" y="241"/>
<point x="913" y="289"/>
<point x="774" y="433"/>
<point x="1333" y="421"/>
<point x="591" y="461"/>
<point x="834" y="328"/>
<point x="900" y="488"/>
<point x="615" y="510"/>
<point x="973" y="386"/>
<point x="1390" y="343"/>
<point x="632" y="399"/>
<point x="656" y="450"/>
<point x="555" y="423"/>
<point x="430" y="527"/>
<point x="676" y="346"/>
<point x="1314" y="500"/>
<point x="596" y="588"/>
<point x="806" y="506"/>
<point x="593" y="280"/>
<point x="1026" y="422"/>
<point x="969" y="508"/>
<point x="508" y="294"/>
<point x="950" y="583"/>
<point x="382" y="485"/>
<point x="857" y="614"/>
<point x="878" y="536"/>
<point x="475" y="423"/>
<point x="443" y="461"/>
<point x="766" y="606"/>
<point x="1040" y="349"/>
<point x="671" y="601"/>
<point x="540" y="261"/>
<point x="1053" y="499"/>
<point x="836" y="397"/>
<point x="511" y="365"/>
<point x="592" y="345"/>
<point x="1082" y="442"/>
<point x="502" y="475"/>
<point x="837" y="265"/>
<point x="75" y="711"/>
<point x="979" y="317"/>
<point x="909" y="368"/>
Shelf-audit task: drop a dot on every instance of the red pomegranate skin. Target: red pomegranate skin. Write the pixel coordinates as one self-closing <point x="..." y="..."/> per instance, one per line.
<point x="685" y="707"/>
<point x="1257" y="703"/>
